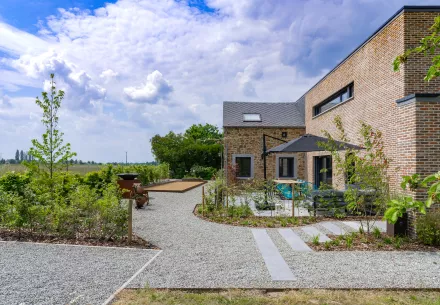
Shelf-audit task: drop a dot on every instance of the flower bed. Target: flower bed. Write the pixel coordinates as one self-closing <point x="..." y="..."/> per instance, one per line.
<point x="375" y="241"/>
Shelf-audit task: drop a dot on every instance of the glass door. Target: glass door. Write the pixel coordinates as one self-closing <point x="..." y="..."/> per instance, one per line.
<point x="323" y="171"/>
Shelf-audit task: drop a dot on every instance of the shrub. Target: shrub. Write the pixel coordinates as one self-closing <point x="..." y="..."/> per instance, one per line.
<point x="428" y="228"/>
<point x="14" y="182"/>
<point x="204" y="172"/>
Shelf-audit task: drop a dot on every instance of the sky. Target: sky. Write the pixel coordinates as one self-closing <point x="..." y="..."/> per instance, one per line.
<point x="132" y="69"/>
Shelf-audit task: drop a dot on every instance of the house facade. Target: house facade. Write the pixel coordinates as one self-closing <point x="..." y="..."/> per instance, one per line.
<point x="364" y="88"/>
<point x="245" y="125"/>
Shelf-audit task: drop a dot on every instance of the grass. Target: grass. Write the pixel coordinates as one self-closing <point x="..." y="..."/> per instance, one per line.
<point x="260" y="297"/>
<point x="76" y="168"/>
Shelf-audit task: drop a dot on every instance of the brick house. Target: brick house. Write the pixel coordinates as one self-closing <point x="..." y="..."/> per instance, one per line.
<point x="244" y="125"/>
<point x="364" y="87"/>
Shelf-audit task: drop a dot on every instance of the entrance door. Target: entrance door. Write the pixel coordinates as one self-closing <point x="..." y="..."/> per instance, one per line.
<point x="323" y="170"/>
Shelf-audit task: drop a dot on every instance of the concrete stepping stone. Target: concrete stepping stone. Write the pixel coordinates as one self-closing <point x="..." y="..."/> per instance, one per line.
<point x="312" y="231"/>
<point x="335" y="229"/>
<point x="275" y="263"/>
<point x="353" y="224"/>
<point x="382" y="225"/>
<point x="294" y="241"/>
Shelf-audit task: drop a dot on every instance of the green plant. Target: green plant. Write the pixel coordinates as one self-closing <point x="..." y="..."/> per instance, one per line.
<point x="283" y="222"/>
<point x="365" y="170"/>
<point x="349" y="241"/>
<point x="428" y="228"/>
<point x="336" y="242"/>
<point x="397" y="242"/>
<point x="387" y="240"/>
<point x="315" y="240"/>
<point x="51" y="153"/>
<point x="327" y="245"/>
<point x="293" y="220"/>
<point x="204" y="172"/>
<point x="376" y="232"/>
<point x="398" y="207"/>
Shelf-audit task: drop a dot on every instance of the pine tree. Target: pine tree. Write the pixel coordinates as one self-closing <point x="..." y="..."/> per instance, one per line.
<point x="17" y="155"/>
<point x="21" y="155"/>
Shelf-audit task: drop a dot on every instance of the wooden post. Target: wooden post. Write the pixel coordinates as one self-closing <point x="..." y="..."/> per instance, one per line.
<point x="130" y="219"/>
<point x="203" y="200"/>
<point x="293" y="200"/>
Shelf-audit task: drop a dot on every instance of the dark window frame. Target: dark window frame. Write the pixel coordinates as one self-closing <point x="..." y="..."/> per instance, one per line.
<point x="317" y="110"/>
<point x="280" y="165"/>
<point x="235" y="158"/>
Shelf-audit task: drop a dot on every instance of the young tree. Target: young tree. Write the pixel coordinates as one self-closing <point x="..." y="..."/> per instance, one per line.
<point x="428" y="46"/>
<point x="51" y="152"/>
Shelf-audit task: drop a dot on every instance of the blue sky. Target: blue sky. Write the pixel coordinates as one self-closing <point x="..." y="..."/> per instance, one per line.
<point x="135" y="68"/>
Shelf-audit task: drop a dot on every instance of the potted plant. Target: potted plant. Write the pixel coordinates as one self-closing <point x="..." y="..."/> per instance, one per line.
<point x="396" y="215"/>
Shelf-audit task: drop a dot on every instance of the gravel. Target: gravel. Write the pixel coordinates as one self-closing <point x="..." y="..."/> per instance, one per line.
<point x="36" y="274"/>
<point x="202" y="254"/>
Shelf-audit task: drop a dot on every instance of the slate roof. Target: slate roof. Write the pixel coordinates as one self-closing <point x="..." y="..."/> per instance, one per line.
<point x="290" y="114"/>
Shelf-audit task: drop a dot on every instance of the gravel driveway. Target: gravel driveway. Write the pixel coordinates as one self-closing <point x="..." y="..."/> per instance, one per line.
<point x="33" y="274"/>
<point x="201" y="254"/>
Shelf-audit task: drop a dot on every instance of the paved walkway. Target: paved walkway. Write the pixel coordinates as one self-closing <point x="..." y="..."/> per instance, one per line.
<point x="201" y="254"/>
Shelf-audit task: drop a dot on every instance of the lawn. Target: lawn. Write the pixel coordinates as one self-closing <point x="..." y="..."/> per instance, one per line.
<point x="76" y="168"/>
<point x="259" y="297"/>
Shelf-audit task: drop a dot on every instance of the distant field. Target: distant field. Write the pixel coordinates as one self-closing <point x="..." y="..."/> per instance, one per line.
<point x="80" y="169"/>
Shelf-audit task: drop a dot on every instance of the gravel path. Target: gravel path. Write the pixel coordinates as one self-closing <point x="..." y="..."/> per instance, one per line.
<point x="46" y="274"/>
<point x="201" y="254"/>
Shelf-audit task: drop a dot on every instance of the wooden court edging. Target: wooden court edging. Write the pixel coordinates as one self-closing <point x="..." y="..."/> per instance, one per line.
<point x="175" y="191"/>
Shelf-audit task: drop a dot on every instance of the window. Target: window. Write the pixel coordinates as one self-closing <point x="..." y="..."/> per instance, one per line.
<point x="337" y="98"/>
<point x="323" y="171"/>
<point x="251" y="117"/>
<point x="244" y="166"/>
<point x="286" y="166"/>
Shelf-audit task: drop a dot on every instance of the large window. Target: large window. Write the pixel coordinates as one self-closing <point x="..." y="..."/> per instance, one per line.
<point x="244" y="166"/>
<point x="286" y="167"/>
<point x="335" y="99"/>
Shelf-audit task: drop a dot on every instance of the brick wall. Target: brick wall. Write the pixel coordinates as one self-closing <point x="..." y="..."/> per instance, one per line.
<point x="417" y="26"/>
<point x="249" y="140"/>
<point x="419" y="142"/>
<point x="376" y="89"/>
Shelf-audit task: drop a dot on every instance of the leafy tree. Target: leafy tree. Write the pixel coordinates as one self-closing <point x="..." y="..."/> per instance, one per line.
<point x="17" y="155"/>
<point x="428" y="46"/>
<point x="203" y="132"/>
<point x="199" y="145"/>
<point x="51" y="152"/>
<point x="21" y="155"/>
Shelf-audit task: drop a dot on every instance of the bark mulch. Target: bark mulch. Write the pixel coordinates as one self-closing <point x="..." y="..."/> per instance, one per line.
<point x="27" y="236"/>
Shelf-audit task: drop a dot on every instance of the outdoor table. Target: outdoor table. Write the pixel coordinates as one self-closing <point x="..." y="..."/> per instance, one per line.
<point x="292" y="183"/>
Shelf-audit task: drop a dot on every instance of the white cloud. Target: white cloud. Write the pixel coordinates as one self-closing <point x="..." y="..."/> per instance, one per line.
<point x="156" y="88"/>
<point x="5" y="101"/>
<point x="108" y="75"/>
<point x="259" y="50"/>
<point x="80" y="91"/>
<point x="251" y="73"/>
